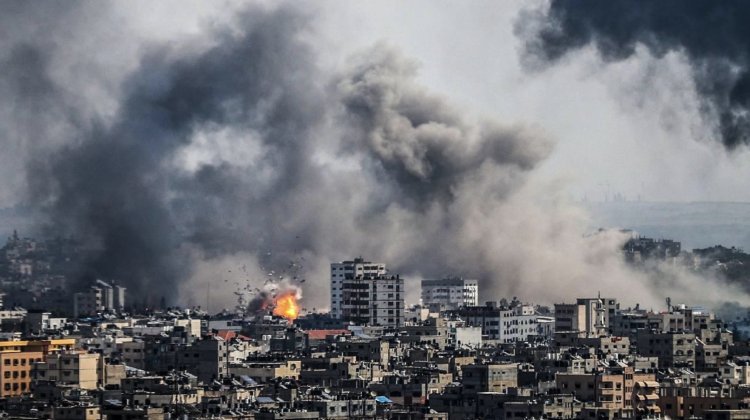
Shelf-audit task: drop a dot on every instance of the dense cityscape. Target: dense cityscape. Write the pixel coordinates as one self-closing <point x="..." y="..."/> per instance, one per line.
<point x="95" y="355"/>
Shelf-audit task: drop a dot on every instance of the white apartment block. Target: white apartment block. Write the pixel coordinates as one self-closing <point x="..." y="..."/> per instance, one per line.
<point x="363" y="293"/>
<point x="449" y="293"/>
<point x="341" y="270"/>
<point x="503" y="324"/>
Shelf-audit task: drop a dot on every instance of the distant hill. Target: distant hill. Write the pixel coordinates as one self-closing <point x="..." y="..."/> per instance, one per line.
<point x="695" y="224"/>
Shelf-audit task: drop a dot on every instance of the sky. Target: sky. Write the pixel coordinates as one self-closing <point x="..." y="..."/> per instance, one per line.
<point x="186" y="140"/>
<point x="632" y="127"/>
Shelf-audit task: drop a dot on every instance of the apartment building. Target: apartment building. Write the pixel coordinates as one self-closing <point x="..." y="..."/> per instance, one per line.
<point x="15" y="371"/>
<point x="70" y="368"/>
<point x="101" y="297"/>
<point x="672" y="349"/>
<point x="609" y="388"/>
<point x="489" y="377"/>
<point x="449" y="293"/>
<point x="504" y="324"/>
<point x="364" y="294"/>
<point x="133" y="353"/>
<point x="349" y="270"/>
<point x="588" y="316"/>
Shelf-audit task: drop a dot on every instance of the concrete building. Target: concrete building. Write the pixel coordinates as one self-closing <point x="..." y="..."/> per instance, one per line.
<point x="39" y="322"/>
<point x="77" y="412"/>
<point x="70" y="368"/>
<point x="588" y="316"/>
<point x="672" y="349"/>
<point x="504" y="324"/>
<point x="15" y="372"/>
<point x="350" y="269"/>
<point x="266" y="370"/>
<point x="101" y="297"/>
<point x="470" y="337"/>
<point x="489" y="377"/>
<point x="362" y="293"/>
<point x="449" y="293"/>
<point x="208" y="358"/>
<point x="611" y="388"/>
<point x="132" y="353"/>
<point x="433" y="331"/>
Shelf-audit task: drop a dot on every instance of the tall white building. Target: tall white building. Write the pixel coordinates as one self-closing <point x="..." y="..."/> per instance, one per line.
<point x="449" y="293"/>
<point x="364" y="293"/>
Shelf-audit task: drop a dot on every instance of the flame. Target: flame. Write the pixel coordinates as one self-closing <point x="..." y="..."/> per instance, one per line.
<point x="286" y="306"/>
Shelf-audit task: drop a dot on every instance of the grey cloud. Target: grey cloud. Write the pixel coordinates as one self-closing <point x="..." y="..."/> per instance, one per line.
<point x="245" y="152"/>
<point x="713" y="35"/>
<point x="421" y="142"/>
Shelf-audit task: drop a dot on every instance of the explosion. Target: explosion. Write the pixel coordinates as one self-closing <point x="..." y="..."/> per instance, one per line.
<point x="286" y="306"/>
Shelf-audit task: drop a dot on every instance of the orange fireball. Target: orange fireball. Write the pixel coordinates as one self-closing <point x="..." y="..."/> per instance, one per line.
<point x="286" y="306"/>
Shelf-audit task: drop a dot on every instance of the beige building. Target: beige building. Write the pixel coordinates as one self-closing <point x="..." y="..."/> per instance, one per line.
<point x="263" y="371"/>
<point x="489" y="378"/>
<point x="588" y="316"/>
<point x="70" y="368"/>
<point x="15" y="372"/>
<point x="77" y="412"/>
<point x="612" y="389"/>
<point x="132" y="353"/>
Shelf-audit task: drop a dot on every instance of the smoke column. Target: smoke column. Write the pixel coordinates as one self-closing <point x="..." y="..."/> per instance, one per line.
<point x="713" y="35"/>
<point x="237" y="150"/>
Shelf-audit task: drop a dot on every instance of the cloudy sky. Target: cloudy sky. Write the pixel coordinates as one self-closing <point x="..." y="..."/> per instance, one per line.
<point x="185" y="140"/>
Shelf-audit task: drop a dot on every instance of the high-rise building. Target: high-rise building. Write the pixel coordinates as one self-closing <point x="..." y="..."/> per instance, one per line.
<point x="364" y="293"/>
<point x="449" y="293"/>
<point x="350" y="269"/>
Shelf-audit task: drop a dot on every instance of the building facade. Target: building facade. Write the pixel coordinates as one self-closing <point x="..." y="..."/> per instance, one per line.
<point x="101" y="297"/>
<point x="449" y="293"/>
<point x="504" y="324"/>
<point x="364" y="294"/>
<point x="72" y="368"/>
<point x="15" y="371"/>
<point x="588" y="316"/>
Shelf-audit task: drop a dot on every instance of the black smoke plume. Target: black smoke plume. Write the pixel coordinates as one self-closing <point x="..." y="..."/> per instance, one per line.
<point x="116" y="185"/>
<point x="243" y="150"/>
<point x="714" y="35"/>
